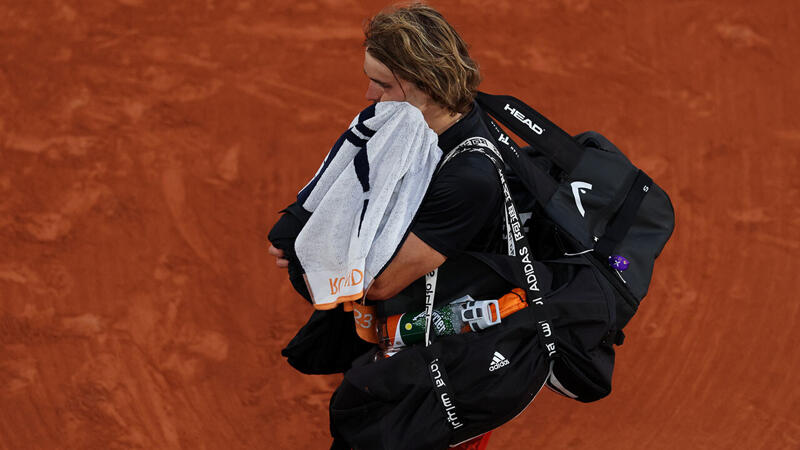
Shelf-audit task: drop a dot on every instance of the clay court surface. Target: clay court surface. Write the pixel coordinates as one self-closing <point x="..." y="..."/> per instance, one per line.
<point x="146" y="148"/>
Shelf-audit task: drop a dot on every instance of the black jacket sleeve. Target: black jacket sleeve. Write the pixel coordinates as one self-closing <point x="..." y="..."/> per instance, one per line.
<point x="283" y="236"/>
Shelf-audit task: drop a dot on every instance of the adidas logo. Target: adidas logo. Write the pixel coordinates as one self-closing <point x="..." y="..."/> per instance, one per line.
<point x="498" y="361"/>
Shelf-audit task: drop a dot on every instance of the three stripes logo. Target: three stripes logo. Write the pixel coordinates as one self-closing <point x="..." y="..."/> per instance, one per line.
<point x="498" y="361"/>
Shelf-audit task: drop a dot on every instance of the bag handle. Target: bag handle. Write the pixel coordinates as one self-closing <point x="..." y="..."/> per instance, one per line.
<point x="533" y="127"/>
<point x="537" y="181"/>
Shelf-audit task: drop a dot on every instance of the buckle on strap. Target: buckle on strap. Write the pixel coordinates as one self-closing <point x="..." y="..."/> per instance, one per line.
<point x="481" y="314"/>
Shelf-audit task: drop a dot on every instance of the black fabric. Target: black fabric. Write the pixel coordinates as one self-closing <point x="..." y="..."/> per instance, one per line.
<point x="361" y="163"/>
<point x="470" y="125"/>
<point x="534" y="128"/>
<point x="394" y="404"/>
<point x="533" y="175"/>
<point x="283" y="236"/>
<point x="584" y="314"/>
<point x="591" y="192"/>
<point x="527" y="275"/>
<point x="461" y="210"/>
<point x="339" y="444"/>
<point x="602" y="204"/>
<point x="461" y="275"/>
<point x="619" y="225"/>
<point x="326" y="344"/>
<point x="441" y="386"/>
<point x="612" y="177"/>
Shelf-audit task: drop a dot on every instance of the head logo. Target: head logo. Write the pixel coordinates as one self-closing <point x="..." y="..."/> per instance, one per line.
<point x="521" y="117"/>
<point x="578" y="188"/>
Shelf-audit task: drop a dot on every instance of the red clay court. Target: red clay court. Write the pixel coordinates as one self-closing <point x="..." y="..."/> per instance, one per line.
<point x="146" y="148"/>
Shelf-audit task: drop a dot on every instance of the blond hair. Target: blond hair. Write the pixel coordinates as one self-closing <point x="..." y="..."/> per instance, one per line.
<point x="417" y="44"/>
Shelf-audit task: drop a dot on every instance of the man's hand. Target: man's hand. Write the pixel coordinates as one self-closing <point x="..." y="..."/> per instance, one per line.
<point x="280" y="261"/>
<point x="414" y="259"/>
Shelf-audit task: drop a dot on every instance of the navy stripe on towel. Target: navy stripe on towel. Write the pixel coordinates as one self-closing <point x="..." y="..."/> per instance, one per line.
<point x="303" y="195"/>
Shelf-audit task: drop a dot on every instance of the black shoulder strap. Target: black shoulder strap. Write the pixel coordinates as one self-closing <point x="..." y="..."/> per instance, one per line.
<point x="536" y="180"/>
<point x="518" y="245"/>
<point x="622" y="221"/>
<point x="534" y="128"/>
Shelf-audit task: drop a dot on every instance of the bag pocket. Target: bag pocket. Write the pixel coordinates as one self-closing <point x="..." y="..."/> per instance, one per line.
<point x="458" y="388"/>
<point x="584" y="319"/>
<point x="389" y="404"/>
<point x="326" y="344"/>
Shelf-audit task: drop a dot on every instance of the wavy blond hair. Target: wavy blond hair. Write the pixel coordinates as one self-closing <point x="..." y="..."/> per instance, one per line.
<point x="417" y="44"/>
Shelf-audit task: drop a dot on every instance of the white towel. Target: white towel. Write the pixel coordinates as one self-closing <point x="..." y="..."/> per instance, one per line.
<point x="363" y="199"/>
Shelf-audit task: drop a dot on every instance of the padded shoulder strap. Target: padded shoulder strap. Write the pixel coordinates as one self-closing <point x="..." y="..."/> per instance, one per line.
<point x="534" y="128"/>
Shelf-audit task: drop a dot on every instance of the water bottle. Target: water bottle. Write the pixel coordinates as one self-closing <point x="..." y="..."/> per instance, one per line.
<point x="462" y="315"/>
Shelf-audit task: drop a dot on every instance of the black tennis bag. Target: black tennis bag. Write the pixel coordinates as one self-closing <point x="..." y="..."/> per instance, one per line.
<point x="602" y="205"/>
<point x="462" y="386"/>
<point x="584" y="227"/>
